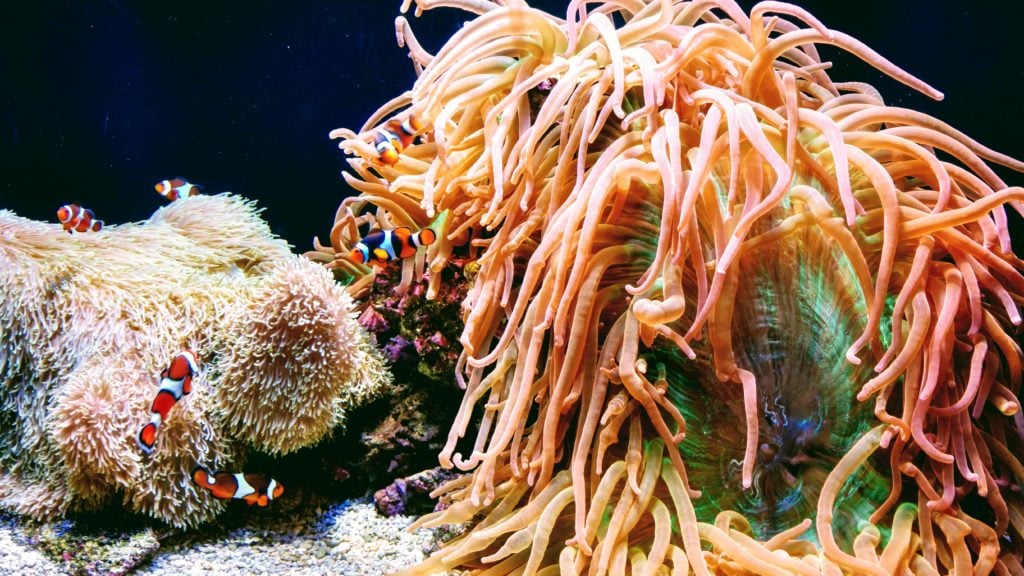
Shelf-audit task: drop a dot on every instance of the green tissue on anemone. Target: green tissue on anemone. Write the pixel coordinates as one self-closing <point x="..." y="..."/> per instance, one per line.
<point x="795" y="313"/>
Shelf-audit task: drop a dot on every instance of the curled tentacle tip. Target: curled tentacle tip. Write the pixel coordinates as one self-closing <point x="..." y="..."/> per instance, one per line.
<point x="634" y="486"/>
<point x="583" y="546"/>
<point x="851" y="357"/>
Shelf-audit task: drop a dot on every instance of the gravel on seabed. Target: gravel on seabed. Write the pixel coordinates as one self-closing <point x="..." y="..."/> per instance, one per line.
<point x="348" y="538"/>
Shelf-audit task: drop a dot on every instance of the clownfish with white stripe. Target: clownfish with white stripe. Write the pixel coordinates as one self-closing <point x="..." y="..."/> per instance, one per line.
<point x="175" y="382"/>
<point x="252" y="488"/>
<point x="74" y="218"/>
<point x="394" y="136"/>
<point x="177" y="188"/>
<point x="383" y="246"/>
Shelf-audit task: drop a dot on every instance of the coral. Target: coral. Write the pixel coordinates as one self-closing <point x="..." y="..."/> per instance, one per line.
<point x="407" y="436"/>
<point x="411" y="495"/>
<point x="721" y="298"/>
<point x="399" y="432"/>
<point x="408" y="325"/>
<point x="93" y="546"/>
<point x="88" y="321"/>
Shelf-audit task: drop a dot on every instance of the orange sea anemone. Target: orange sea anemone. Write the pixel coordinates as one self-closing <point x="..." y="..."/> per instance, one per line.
<point x="722" y="298"/>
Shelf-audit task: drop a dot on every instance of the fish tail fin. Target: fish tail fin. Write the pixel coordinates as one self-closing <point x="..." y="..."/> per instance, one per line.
<point x="146" y="439"/>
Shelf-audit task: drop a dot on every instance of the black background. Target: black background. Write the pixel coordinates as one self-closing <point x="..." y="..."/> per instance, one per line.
<point x="101" y="99"/>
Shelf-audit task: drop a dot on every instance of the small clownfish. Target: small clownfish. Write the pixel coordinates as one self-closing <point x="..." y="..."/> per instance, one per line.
<point x="74" y="218"/>
<point x="383" y="246"/>
<point x="395" y="136"/>
<point x="177" y="188"/>
<point x="175" y="382"/>
<point x="252" y="488"/>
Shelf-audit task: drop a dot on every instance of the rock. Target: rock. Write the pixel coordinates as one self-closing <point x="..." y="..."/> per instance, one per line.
<point x="88" y="547"/>
<point x="411" y="495"/>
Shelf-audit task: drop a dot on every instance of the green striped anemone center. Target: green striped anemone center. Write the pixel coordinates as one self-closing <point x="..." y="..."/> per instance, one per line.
<point x="797" y="310"/>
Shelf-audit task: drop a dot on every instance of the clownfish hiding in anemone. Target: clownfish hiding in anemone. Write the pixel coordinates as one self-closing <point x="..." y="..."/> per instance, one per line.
<point x="175" y="382"/>
<point x="394" y="136"/>
<point x="382" y="246"/>
<point x="74" y="218"/>
<point x="177" y="188"/>
<point x="252" y="488"/>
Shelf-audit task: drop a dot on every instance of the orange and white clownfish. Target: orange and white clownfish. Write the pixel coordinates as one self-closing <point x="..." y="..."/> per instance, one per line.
<point x="383" y="246"/>
<point x="74" y="218"/>
<point x="394" y="136"/>
<point x="252" y="488"/>
<point x="175" y="382"/>
<point x="177" y="188"/>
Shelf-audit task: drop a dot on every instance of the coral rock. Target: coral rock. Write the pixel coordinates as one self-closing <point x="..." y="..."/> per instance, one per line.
<point x="411" y="495"/>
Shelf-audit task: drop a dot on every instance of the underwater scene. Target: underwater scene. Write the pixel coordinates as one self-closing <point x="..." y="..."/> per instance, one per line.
<point x="511" y="287"/>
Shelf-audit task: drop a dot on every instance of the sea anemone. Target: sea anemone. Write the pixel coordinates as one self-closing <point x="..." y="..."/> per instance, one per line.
<point x="88" y="321"/>
<point x="721" y="298"/>
<point x="294" y="359"/>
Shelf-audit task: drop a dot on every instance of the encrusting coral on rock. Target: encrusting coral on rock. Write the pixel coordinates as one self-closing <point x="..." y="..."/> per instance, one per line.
<point x="88" y="321"/>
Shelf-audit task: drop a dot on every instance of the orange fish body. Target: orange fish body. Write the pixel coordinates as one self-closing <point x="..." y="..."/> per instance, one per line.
<point x="250" y="488"/>
<point x="383" y="246"/>
<point x="395" y="136"/>
<point x="177" y="188"/>
<point x="74" y="218"/>
<point x="175" y="382"/>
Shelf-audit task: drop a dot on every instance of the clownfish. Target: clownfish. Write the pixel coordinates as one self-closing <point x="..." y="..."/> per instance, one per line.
<point x="395" y="136"/>
<point x="383" y="246"/>
<point x="175" y="382"/>
<point x="177" y="188"/>
<point x="253" y="488"/>
<point x="74" y="218"/>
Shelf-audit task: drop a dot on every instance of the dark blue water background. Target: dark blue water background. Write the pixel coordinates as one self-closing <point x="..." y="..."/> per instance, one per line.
<point x="101" y="99"/>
